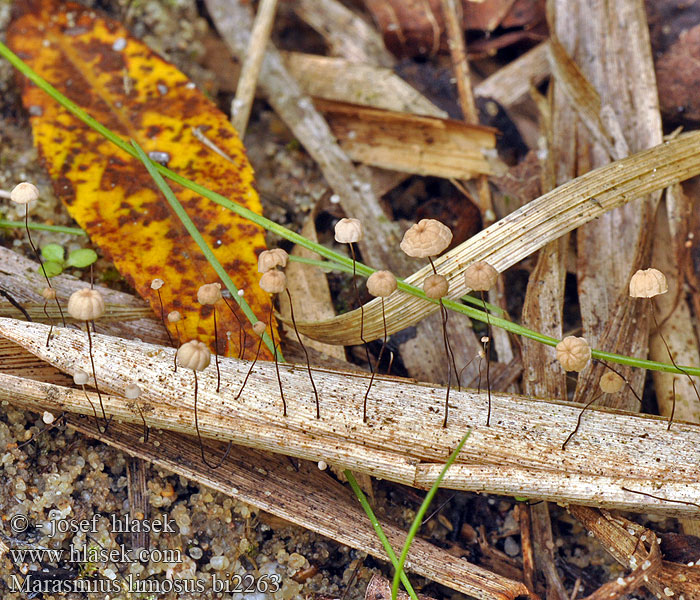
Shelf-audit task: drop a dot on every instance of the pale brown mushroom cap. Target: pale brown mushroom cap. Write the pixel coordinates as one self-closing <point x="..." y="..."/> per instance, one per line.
<point x="480" y="276"/>
<point x="86" y="305"/>
<point x="48" y="293"/>
<point x="259" y="328"/>
<point x="132" y="391"/>
<point x="381" y="283"/>
<point x="611" y="383"/>
<point x="193" y="355"/>
<point x="271" y="259"/>
<point x="24" y="193"/>
<point x="348" y="231"/>
<point x="426" y="238"/>
<point x="273" y="282"/>
<point x="80" y="377"/>
<point x="573" y="353"/>
<point x="209" y="293"/>
<point x="174" y="316"/>
<point x="435" y="286"/>
<point x="647" y="283"/>
<point x="157" y="283"/>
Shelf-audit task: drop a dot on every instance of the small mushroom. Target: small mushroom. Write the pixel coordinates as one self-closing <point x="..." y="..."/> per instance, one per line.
<point x="208" y="295"/>
<point x="436" y="286"/>
<point x="271" y="259"/>
<point x="611" y="383"/>
<point x="348" y="231"/>
<point x="133" y="392"/>
<point x="273" y="282"/>
<point x="426" y="238"/>
<point x="87" y="304"/>
<point x="480" y="276"/>
<point x="573" y="353"/>
<point x="24" y="193"/>
<point x="648" y="283"/>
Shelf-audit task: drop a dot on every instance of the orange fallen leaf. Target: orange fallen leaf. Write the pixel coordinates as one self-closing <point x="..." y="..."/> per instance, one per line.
<point x="127" y="87"/>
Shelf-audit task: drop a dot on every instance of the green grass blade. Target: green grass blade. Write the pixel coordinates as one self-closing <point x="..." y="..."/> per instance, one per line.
<point x="41" y="227"/>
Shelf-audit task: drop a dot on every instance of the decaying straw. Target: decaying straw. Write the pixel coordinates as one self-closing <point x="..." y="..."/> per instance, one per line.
<point x="617" y="460"/>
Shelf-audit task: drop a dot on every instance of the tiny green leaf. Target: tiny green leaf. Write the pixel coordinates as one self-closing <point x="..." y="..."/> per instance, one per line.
<point x="53" y="252"/>
<point x="51" y="268"/>
<point x="81" y="258"/>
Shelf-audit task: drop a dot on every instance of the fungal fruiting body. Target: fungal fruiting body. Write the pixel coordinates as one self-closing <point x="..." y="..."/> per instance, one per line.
<point x="349" y="231"/>
<point x="196" y="356"/>
<point x="648" y="283"/>
<point x="426" y="239"/>
<point x="573" y="353"/>
<point x="259" y="328"/>
<point x="208" y="295"/>
<point x="24" y="193"/>
<point x="380" y="284"/>
<point x="480" y="276"/>
<point x="174" y="317"/>
<point x="133" y="392"/>
<point x="156" y="284"/>
<point x="87" y="305"/>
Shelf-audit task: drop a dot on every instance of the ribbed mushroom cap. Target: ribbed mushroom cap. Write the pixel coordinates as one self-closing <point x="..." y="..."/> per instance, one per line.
<point x="193" y="355"/>
<point x="273" y="282"/>
<point x="573" y="353"/>
<point x="209" y="293"/>
<point x="381" y="283"/>
<point x="48" y="293"/>
<point x="480" y="276"/>
<point x="157" y="283"/>
<point x="259" y="328"/>
<point x="435" y="286"/>
<point x="24" y="193"/>
<point x="271" y="259"/>
<point x="348" y="231"/>
<point x="611" y="383"/>
<point x="426" y="238"/>
<point x="86" y="305"/>
<point x="648" y="283"/>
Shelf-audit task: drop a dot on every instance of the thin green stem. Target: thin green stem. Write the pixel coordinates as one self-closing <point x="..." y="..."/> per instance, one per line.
<point x="379" y="531"/>
<point x="418" y="520"/>
<point x="295" y="238"/>
<point x="191" y="228"/>
<point x="41" y="227"/>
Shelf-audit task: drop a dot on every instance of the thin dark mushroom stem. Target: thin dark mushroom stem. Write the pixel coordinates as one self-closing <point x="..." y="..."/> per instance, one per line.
<point x="250" y="369"/>
<point x="487" y="352"/>
<point x="46" y="429"/>
<point x="162" y="319"/>
<point x="94" y="410"/>
<point x="242" y="336"/>
<point x="629" y="385"/>
<point x="673" y="361"/>
<point x="376" y="365"/>
<point x="277" y="366"/>
<point x="16" y="304"/>
<point x="41" y="263"/>
<point x="578" y="421"/>
<point x="179" y="343"/>
<point x="359" y="301"/>
<point x="216" y="352"/>
<point x="50" y="320"/>
<point x="94" y="375"/>
<point x="673" y="406"/>
<point x="306" y="354"/>
<point x="199" y="435"/>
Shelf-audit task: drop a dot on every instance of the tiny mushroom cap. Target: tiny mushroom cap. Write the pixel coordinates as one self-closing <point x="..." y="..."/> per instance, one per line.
<point x="259" y="328"/>
<point x="322" y="465"/>
<point x="156" y="284"/>
<point x="193" y="355"/>
<point x="426" y="238"/>
<point x="611" y="382"/>
<point x="381" y="283"/>
<point x="86" y="305"/>
<point x="80" y="377"/>
<point x="480" y="276"/>
<point x="435" y="286"/>
<point x="48" y="417"/>
<point x="24" y="193"/>
<point x="648" y="283"/>
<point x="132" y="391"/>
<point x="209" y="293"/>
<point x="48" y="293"/>
<point x="573" y="353"/>
<point x="348" y="231"/>
<point x="271" y="259"/>
<point x="273" y="282"/>
<point x="174" y="316"/>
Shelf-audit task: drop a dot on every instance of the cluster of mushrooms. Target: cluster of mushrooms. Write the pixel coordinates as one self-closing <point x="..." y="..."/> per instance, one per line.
<point x="427" y="239"/>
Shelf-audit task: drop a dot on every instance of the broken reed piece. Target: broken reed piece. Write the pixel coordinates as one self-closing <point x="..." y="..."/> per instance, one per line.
<point x="259" y="328"/>
<point x="426" y="239"/>
<point x="133" y="392"/>
<point x="208" y="295"/>
<point x="196" y="356"/>
<point x="174" y="317"/>
<point x="24" y="193"/>
<point x="380" y="284"/>
<point x="87" y="305"/>
<point x="480" y="276"/>
<point x="647" y="283"/>
<point x="349" y="231"/>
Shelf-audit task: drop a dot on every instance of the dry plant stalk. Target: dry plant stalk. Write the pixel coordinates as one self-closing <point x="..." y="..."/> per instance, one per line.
<point x="410" y="143"/>
<point x="526" y="230"/>
<point x="520" y="454"/>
